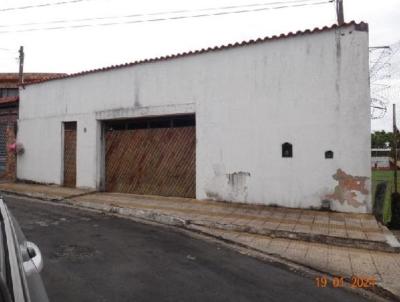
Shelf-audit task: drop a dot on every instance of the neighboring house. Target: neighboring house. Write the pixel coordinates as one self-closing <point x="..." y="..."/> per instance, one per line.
<point x="380" y="158"/>
<point x="282" y="120"/>
<point x="8" y="117"/>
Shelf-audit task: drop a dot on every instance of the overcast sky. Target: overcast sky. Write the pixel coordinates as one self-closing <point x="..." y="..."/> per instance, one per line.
<point x="72" y="50"/>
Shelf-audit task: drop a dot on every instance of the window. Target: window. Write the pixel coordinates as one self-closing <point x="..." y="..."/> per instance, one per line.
<point x="287" y="150"/>
<point x="5" y="92"/>
<point x="70" y="125"/>
<point x="329" y="154"/>
<point x="152" y="122"/>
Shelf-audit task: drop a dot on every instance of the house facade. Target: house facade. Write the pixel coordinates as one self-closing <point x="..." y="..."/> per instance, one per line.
<point x="9" y="102"/>
<point x="279" y="121"/>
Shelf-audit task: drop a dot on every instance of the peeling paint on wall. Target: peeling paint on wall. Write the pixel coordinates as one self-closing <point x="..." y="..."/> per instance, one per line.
<point x="338" y="34"/>
<point x="237" y="183"/>
<point x="228" y="186"/>
<point x="237" y="179"/>
<point x="217" y="184"/>
<point x="137" y="102"/>
<point x="213" y="195"/>
<point x="350" y="189"/>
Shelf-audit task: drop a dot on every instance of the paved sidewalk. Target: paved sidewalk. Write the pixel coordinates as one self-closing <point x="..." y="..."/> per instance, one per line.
<point x="337" y="244"/>
<point x="45" y="192"/>
<point x="341" y="229"/>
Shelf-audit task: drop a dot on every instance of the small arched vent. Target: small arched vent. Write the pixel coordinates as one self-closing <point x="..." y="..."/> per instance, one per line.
<point x="287" y="150"/>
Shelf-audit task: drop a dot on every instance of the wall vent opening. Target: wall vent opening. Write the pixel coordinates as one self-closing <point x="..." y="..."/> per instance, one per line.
<point x="329" y="154"/>
<point x="287" y="150"/>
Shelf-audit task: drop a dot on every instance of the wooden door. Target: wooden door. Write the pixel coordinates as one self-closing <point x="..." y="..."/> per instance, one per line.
<point x="70" y="154"/>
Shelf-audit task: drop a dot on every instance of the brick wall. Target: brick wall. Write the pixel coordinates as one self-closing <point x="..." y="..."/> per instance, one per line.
<point x="8" y="117"/>
<point x="11" y="165"/>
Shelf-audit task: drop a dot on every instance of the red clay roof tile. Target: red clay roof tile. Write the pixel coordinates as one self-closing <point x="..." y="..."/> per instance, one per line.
<point x="9" y="99"/>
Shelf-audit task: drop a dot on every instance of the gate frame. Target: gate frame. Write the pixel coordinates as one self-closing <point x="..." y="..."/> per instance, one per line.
<point x="62" y="134"/>
<point x="101" y="155"/>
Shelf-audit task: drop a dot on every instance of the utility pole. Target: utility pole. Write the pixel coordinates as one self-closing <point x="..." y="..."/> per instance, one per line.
<point x="395" y="221"/>
<point x="21" y="65"/>
<point x="395" y="147"/>
<point x="339" y="12"/>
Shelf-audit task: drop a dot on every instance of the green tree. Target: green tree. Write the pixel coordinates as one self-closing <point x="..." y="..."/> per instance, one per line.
<point x="381" y="139"/>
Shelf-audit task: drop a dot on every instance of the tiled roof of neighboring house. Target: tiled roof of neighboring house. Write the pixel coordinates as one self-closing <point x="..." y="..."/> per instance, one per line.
<point x="9" y="100"/>
<point x="359" y="26"/>
<point x="10" y="80"/>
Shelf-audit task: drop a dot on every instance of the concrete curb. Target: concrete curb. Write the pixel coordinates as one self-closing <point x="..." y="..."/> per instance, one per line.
<point x="178" y="221"/>
<point x="147" y="216"/>
<point x="43" y="196"/>
<point x="40" y="196"/>
<point x="316" y="238"/>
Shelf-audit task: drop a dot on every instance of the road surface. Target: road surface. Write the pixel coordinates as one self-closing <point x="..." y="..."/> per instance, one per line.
<point x="95" y="257"/>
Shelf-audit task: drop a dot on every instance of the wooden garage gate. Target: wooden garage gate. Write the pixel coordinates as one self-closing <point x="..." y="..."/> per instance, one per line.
<point x="151" y="156"/>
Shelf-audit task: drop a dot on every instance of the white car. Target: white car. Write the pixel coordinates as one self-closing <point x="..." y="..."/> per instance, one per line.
<point x="20" y="263"/>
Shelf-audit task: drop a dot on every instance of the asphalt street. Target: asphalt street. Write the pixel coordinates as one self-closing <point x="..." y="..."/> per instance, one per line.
<point x="95" y="257"/>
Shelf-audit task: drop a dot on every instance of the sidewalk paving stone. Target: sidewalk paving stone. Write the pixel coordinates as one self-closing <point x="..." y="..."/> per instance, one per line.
<point x="318" y="255"/>
<point x="296" y="250"/>
<point x="302" y="228"/>
<point x="339" y="261"/>
<point x="362" y="264"/>
<point x="278" y="246"/>
<point x="337" y="230"/>
<point x="356" y="234"/>
<point x="285" y="225"/>
<point x="243" y="217"/>
<point x="260" y="242"/>
<point x="270" y="225"/>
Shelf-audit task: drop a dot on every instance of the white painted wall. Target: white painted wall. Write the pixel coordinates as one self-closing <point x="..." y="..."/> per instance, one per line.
<point x="310" y="90"/>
